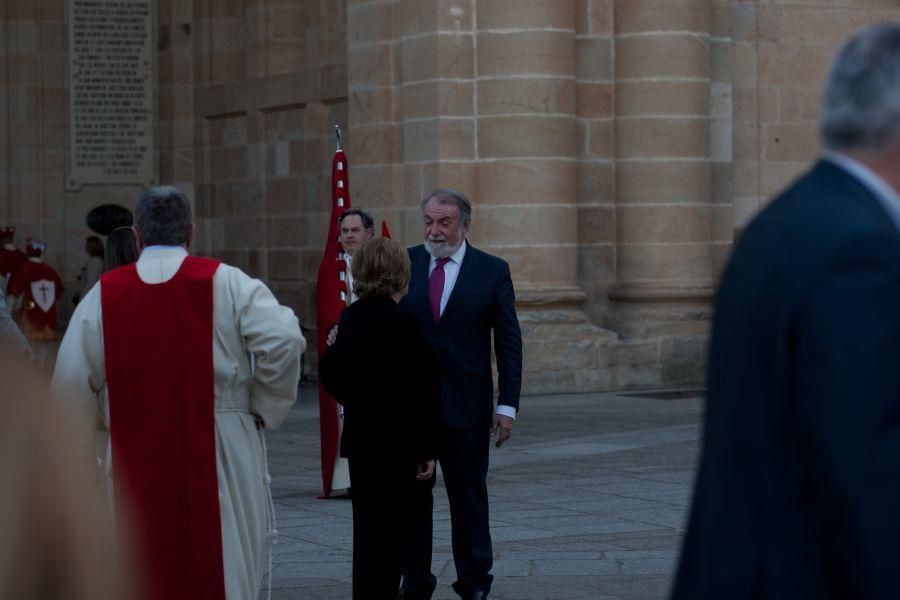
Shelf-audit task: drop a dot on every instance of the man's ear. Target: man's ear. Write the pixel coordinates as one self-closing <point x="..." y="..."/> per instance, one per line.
<point x="138" y="240"/>
<point x="190" y="236"/>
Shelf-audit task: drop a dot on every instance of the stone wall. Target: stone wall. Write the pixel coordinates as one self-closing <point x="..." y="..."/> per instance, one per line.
<point x="605" y="145"/>
<point x="614" y="149"/>
<point x="33" y="138"/>
<point x="781" y="54"/>
<point x="269" y="82"/>
<point x="247" y="95"/>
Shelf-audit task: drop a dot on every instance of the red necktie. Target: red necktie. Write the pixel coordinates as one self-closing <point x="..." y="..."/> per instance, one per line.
<point x="436" y="287"/>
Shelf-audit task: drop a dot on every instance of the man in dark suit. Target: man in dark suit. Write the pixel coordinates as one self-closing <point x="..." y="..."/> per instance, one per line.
<point x="461" y="296"/>
<point x="799" y="484"/>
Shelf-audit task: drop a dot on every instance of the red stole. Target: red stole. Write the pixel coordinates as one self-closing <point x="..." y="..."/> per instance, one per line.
<point x="158" y="343"/>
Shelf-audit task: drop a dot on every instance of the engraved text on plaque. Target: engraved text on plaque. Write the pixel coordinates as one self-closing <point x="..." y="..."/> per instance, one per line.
<point x="111" y="87"/>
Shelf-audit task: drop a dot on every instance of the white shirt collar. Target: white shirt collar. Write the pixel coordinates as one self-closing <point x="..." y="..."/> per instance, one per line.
<point x="881" y="189"/>
<point x="457" y="256"/>
<point x="156" y="251"/>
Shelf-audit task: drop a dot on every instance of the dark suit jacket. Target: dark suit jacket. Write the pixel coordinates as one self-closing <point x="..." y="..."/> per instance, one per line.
<point x="482" y="302"/>
<point x="383" y="372"/>
<point x="798" y="492"/>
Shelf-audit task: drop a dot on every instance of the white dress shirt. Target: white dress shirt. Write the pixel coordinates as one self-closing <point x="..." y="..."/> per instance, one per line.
<point x="451" y="273"/>
<point x="348" y="278"/>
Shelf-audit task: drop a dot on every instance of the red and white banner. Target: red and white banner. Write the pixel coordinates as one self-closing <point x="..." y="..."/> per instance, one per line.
<point x="331" y="298"/>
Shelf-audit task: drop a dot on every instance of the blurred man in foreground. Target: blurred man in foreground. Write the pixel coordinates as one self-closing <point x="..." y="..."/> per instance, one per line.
<point x="799" y="479"/>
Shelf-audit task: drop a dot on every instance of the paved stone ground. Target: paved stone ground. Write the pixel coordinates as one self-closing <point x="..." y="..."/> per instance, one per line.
<point x="588" y="501"/>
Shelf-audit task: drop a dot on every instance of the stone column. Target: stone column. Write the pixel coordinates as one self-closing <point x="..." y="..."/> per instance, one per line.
<point x="481" y="95"/>
<point x="527" y="141"/>
<point x="483" y="101"/>
<point x="663" y="170"/>
<point x="526" y="144"/>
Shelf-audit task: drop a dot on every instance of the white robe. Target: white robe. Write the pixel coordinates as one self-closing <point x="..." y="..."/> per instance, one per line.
<point x="247" y="321"/>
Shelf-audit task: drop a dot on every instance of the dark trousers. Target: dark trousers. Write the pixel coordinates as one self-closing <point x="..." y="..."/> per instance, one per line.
<point x="463" y="456"/>
<point x="418" y="581"/>
<point x="382" y="497"/>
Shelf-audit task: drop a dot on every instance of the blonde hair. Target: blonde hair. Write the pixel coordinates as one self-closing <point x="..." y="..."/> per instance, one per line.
<point x="380" y="268"/>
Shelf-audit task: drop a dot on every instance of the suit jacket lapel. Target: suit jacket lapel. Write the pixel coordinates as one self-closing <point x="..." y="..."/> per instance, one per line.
<point x="419" y="271"/>
<point x="418" y="288"/>
<point x="468" y="275"/>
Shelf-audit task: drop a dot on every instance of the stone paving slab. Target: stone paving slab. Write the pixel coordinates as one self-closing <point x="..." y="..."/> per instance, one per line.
<point x="588" y="502"/>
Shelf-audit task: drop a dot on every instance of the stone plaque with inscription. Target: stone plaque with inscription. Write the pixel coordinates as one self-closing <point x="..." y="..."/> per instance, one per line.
<point x="111" y="93"/>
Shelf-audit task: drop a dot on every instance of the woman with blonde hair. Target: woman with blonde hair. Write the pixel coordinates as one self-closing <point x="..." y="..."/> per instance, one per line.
<point x="381" y="369"/>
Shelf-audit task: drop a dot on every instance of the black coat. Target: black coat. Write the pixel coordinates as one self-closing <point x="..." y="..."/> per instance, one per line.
<point x="384" y="374"/>
<point x="482" y="302"/>
<point x="798" y="492"/>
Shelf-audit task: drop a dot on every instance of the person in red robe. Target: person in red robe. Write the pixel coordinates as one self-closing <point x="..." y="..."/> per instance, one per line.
<point x="11" y="258"/>
<point x="33" y="291"/>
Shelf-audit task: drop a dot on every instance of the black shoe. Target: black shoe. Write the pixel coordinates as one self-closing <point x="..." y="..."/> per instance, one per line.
<point x="410" y="595"/>
<point x="479" y="595"/>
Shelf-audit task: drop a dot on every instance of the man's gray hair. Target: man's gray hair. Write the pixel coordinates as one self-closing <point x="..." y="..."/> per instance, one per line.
<point x="862" y="97"/>
<point x="163" y="216"/>
<point x="451" y="196"/>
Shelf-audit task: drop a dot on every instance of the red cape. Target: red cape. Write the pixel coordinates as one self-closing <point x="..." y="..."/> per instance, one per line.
<point x="158" y="349"/>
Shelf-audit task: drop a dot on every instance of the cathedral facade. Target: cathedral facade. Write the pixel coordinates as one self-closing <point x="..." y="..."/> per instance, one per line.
<point x="613" y="149"/>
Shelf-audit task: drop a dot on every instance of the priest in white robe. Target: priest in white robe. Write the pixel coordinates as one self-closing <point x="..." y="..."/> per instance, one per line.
<point x="246" y="321"/>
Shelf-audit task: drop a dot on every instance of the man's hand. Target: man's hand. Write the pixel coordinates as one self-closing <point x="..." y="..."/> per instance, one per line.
<point x="502" y="428"/>
<point x="425" y="470"/>
<point x="332" y="335"/>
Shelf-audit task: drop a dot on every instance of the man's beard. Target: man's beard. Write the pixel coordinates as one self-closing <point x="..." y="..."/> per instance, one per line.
<point x="442" y="250"/>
